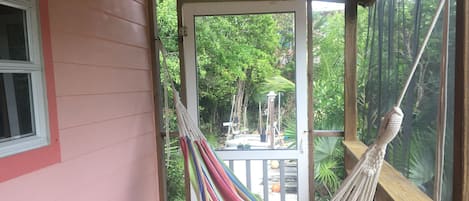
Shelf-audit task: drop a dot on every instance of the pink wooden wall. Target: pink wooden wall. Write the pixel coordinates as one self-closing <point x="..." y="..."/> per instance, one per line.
<point x="101" y="57"/>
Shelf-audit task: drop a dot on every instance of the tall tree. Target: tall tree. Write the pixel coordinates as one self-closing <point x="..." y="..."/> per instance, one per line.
<point x="235" y="55"/>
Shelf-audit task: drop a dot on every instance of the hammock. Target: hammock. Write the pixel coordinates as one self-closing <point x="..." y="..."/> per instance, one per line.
<point x="211" y="179"/>
<point x="209" y="175"/>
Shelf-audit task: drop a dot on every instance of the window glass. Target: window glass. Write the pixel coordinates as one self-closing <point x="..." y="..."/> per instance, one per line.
<point x="246" y="78"/>
<point x="13" y="34"/>
<point x="15" y="106"/>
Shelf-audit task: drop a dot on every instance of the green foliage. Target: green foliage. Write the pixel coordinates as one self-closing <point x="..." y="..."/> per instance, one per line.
<point x="422" y="161"/>
<point x="277" y="83"/>
<point x="325" y="174"/>
<point x="212" y="138"/>
<point x="290" y="132"/>
<point x="167" y="27"/>
<point x="422" y="168"/>
<point x="175" y="172"/>
<point x="167" y="24"/>
<point x="329" y="166"/>
<point x="324" y="148"/>
<point x="167" y="31"/>
<point x="329" y="97"/>
<point x="230" y="50"/>
<point x="233" y="49"/>
<point x="329" y="70"/>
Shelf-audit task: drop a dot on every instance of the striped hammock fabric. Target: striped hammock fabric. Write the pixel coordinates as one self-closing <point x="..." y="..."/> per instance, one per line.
<point x="211" y="179"/>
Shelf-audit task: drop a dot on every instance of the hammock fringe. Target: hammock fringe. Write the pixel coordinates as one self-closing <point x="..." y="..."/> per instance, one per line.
<point x="360" y="184"/>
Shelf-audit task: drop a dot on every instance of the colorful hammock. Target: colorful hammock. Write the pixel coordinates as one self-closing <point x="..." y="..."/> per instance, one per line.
<point x="210" y="178"/>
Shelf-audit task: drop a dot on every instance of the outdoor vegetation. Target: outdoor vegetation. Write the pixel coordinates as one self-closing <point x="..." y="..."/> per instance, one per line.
<point x="396" y="31"/>
<point x="241" y="58"/>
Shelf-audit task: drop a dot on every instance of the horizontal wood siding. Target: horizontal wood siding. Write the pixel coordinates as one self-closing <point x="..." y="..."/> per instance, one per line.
<point x="102" y="61"/>
<point x="124" y="129"/>
<point x="75" y="49"/>
<point x="117" y="81"/>
<point x="87" y="109"/>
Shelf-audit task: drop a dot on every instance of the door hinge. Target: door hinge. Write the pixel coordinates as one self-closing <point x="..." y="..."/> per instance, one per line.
<point x="183" y="31"/>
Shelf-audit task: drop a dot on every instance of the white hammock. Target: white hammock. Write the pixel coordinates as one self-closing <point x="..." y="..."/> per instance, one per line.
<point x="360" y="184"/>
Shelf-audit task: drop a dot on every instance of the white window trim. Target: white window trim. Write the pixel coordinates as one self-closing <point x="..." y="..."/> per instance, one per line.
<point x="35" y="67"/>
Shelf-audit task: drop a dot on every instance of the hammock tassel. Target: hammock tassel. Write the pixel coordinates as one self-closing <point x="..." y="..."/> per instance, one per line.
<point x="360" y="184"/>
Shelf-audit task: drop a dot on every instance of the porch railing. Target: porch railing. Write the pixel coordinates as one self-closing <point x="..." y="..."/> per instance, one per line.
<point x="271" y="180"/>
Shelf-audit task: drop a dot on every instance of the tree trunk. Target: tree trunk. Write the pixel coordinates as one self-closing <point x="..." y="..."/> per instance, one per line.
<point x="245" y="108"/>
<point x="239" y="103"/>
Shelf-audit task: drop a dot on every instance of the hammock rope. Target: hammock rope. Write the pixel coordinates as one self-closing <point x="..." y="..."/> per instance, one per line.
<point x="420" y="52"/>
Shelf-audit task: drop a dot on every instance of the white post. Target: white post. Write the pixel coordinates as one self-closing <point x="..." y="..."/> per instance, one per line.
<point x="279" y="118"/>
<point x="271" y="113"/>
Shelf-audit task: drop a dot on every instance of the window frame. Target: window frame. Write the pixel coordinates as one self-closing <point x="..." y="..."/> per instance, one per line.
<point x="35" y="68"/>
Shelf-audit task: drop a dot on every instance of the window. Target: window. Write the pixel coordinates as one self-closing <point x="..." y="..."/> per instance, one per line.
<point x="23" y="118"/>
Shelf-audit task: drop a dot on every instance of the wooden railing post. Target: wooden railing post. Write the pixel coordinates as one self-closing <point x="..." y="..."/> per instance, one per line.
<point x="309" y="24"/>
<point x="350" y="88"/>
<point x="161" y="168"/>
<point x="461" y="104"/>
<point x="182" y="73"/>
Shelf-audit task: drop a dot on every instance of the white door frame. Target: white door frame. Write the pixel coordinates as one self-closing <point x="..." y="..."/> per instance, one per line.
<point x="190" y="10"/>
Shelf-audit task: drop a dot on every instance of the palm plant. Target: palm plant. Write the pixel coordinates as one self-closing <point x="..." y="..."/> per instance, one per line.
<point x="290" y="132"/>
<point x="329" y="166"/>
<point x="328" y="160"/>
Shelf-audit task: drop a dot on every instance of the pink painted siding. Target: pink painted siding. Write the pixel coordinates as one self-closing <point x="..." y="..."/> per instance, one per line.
<point x="101" y="57"/>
